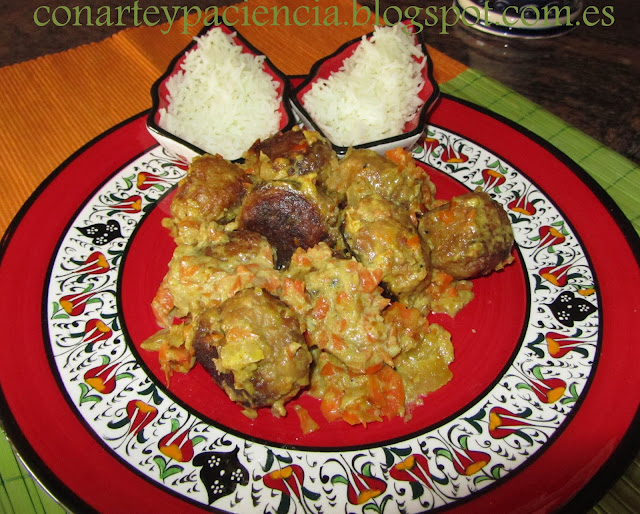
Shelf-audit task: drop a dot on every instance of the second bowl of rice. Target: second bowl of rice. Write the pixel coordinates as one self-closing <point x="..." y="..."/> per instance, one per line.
<point x="218" y="96"/>
<point x="373" y="92"/>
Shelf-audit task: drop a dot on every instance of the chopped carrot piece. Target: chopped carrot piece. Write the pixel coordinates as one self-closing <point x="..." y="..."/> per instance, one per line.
<point x="162" y="305"/>
<point x="339" y="344"/>
<point x="328" y="370"/>
<point x="163" y="352"/>
<point x="321" y="308"/>
<point x="444" y="279"/>
<point x="237" y="285"/>
<point x="369" y="280"/>
<point x="414" y="241"/>
<point x="360" y="412"/>
<point x="301" y="258"/>
<point x="451" y="292"/>
<point x="307" y="423"/>
<point x="374" y="369"/>
<point x="174" y="358"/>
<point x="387" y="391"/>
<point x="321" y="338"/>
<point x="293" y="285"/>
<point x="405" y="314"/>
<point x="398" y="155"/>
<point x="187" y="271"/>
<point x="330" y="404"/>
<point x="447" y="216"/>
<point x="272" y="285"/>
<point x="353" y="417"/>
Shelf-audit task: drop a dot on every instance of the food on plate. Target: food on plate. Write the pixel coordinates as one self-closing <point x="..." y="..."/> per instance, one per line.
<point x="426" y="352"/>
<point x="356" y="398"/>
<point x="342" y="308"/>
<point x="294" y="152"/>
<point x="219" y="81"/>
<point x="374" y="93"/>
<point x="174" y="344"/>
<point x="212" y="191"/>
<point x="395" y="177"/>
<point x="382" y="236"/>
<point x="253" y="347"/>
<point x="439" y="292"/>
<point x="210" y="272"/>
<point x="289" y="205"/>
<point x="420" y="367"/>
<point x="285" y="215"/>
<point x="469" y="236"/>
<point x="323" y="281"/>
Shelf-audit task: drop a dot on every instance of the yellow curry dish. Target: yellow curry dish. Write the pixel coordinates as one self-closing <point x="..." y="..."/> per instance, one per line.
<point x="296" y="272"/>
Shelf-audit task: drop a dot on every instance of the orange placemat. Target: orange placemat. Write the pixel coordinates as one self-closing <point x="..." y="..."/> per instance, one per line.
<point x="51" y="106"/>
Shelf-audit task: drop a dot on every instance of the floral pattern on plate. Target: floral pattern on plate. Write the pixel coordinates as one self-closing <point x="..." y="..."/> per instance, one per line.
<point x="175" y="448"/>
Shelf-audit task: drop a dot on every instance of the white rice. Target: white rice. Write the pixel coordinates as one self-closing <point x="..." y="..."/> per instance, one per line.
<point x="222" y="100"/>
<point x="375" y="92"/>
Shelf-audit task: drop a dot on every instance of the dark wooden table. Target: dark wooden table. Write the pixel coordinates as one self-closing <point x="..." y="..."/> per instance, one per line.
<point x="589" y="77"/>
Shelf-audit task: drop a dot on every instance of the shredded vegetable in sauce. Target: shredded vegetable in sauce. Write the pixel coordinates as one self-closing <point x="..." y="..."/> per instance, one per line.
<point x="298" y="273"/>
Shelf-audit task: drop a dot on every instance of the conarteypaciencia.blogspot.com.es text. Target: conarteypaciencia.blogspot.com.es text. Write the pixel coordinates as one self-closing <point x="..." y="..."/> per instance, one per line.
<point x="309" y="13"/>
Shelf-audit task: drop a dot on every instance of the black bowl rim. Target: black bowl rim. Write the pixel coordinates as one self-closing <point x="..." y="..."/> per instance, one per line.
<point x="155" y="95"/>
<point x="424" y="110"/>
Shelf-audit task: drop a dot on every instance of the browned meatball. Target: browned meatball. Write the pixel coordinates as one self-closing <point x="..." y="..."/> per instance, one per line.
<point x="296" y="152"/>
<point x="382" y="236"/>
<point x="469" y="236"/>
<point x="212" y="191"/>
<point x="363" y="172"/>
<point x="254" y="349"/>
<point x="286" y="216"/>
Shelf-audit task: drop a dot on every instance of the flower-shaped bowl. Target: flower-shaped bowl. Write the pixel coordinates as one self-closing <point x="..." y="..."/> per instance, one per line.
<point x="413" y="129"/>
<point x="186" y="150"/>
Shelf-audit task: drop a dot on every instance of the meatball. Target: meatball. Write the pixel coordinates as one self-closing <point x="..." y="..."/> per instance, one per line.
<point x="469" y="236"/>
<point x="363" y="172"/>
<point x="254" y="349"/>
<point x="382" y="236"/>
<point x="296" y="152"/>
<point x="286" y="216"/>
<point x="212" y="191"/>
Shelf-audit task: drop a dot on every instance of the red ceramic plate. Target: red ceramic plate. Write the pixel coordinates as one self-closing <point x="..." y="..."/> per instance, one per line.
<point x="541" y="413"/>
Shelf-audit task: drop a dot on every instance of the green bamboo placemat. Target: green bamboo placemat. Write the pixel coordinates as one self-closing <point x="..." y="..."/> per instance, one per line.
<point x="620" y="178"/>
<point x="19" y="492"/>
<point x="617" y="175"/>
